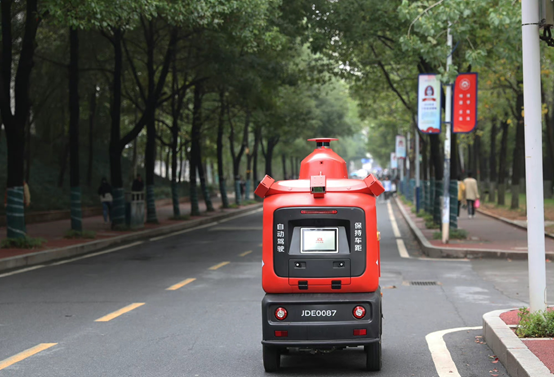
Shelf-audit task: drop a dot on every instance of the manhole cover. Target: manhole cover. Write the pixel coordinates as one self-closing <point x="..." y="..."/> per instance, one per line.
<point x="421" y="282"/>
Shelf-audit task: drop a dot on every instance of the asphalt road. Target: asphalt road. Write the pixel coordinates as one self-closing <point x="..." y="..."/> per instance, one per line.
<point x="211" y="326"/>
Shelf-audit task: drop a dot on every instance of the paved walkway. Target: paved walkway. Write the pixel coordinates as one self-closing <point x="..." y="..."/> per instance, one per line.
<point x="484" y="233"/>
<point x="54" y="231"/>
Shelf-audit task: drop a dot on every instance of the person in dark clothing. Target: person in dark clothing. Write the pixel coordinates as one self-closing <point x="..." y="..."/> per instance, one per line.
<point x="242" y="187"/>
<point x="105" y="193"/>
<point x="138" y="184"/>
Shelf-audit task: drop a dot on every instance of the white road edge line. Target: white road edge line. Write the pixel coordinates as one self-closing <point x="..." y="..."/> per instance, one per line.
<point x="21" y="271"/>
<point x="205" y="226"/>
<point x="402" y="248"/>
<point x="395" y="229"/>
<point x="125" y="246"/>
<point x="70" y="260"/>
<point x="403" y="251"/>
<point x="439" y="352"/>
<point x="98" y="253"/>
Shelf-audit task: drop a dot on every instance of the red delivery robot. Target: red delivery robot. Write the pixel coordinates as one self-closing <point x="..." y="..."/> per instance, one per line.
<point x="321" y="262"/>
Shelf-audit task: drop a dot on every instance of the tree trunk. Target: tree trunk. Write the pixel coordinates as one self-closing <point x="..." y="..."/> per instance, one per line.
<point x="174" y="155"/>
<point x="28" y="157"/>
<point x="91" y="116"/>
<point x="14" y="124"/>
<point x="492" y="163"/>
<point x="284" y="163"/>
<point x="238" y="157"/>
<point x="436" y="157"/>
<point x="292" y="169"/>
<point x="149" y="165"/>
<point x="518" y="157"/>
<point x="502" y="163"/>
<point x="248" y="183"/>
<point x="64" y="156"/>
<point x="74" y="173"/>
<point x="454" y="173"/>
<point x="424" y="160"/>
<point x="257" y="138"/>
<point x="194" y="154"/>
<point x="220" y="167"/>
<point x="118" y="205"/>
<point x="271" y="143"/>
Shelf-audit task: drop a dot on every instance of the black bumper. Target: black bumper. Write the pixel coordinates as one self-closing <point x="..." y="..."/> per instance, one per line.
<point x="321" y="320"/>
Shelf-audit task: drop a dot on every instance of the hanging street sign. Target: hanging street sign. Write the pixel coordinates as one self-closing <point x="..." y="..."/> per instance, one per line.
<point x="393" y="161"/>
<point x="400" y="146"/>
<point x="464" y="115"/>
<point x="429" y="104"/>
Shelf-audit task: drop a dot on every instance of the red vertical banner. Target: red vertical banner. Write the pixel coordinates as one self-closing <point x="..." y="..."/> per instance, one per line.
<point x="464" y="114"/>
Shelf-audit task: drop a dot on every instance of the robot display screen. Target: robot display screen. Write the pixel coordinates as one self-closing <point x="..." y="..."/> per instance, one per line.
<point x="319" y="240"/>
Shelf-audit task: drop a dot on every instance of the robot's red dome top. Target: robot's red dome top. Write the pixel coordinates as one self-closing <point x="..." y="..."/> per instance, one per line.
<point x="323" y="161"/>
<point x="323" y="141"/>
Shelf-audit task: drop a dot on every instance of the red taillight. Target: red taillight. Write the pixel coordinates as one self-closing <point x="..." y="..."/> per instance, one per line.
<point x="360" y="332"/>
<point x="359" y="312"/>
<point x="281" y="313"/>
<point x="283" y="334"/>
<point x="313" y="212"/>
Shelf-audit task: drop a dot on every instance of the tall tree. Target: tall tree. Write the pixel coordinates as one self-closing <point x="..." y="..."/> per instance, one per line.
<point x="74" y="123"/>
<point x="14" y="121"/>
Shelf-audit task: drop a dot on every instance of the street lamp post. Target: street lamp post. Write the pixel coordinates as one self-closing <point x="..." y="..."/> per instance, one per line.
<point x="533" y="153"/>
<point x="448" y="129"/>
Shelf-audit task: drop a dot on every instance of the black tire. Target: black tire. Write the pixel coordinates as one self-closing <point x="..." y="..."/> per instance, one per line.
<point x="374" y="359"/>
<point x="272" y="358"/>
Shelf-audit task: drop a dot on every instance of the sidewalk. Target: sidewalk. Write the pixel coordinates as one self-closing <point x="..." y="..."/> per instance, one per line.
<point x="57" y="246"/>
<point x="487" y="238"/>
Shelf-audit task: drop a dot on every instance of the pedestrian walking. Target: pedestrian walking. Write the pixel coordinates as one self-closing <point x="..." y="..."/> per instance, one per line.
<point x="461" y="194"/>
<point x="242" y="187"/>
<point x="387" y="184"/>
<point x="138" y="184"/>
<point x="106" y="198"/>
<point x="472" y="194"/>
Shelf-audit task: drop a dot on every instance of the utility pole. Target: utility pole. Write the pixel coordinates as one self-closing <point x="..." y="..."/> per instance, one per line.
<point x="533" y="153"/>
<point x="448" y="129"/>
<point x="416" y="200"/>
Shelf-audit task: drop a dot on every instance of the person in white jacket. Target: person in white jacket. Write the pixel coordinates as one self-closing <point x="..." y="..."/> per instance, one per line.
<point x="472" y="194"/>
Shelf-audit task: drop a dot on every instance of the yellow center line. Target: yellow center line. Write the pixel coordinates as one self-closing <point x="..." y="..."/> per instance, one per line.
<point x="245" y="253"/>
<point x="119" y="312"/>
<point x="181" y="284"/>
<point x="25" y="354"/>
<point x="219" y="265"/>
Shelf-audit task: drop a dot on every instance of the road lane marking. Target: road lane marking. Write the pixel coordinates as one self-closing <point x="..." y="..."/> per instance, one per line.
<point x="119" y="312"/>
<point x="395" y="229"/>
<point x="21" y="271"/>
<point x="97" y="254"/>
<point x="442" y="358"/>
<point x="402" y="248"/>
<point x="245" y="253"/>
<point x="205" y="226"/>
<point x="174" y="287"/>
<point x="70" y="260"/>
<point x="219" y="265"/>
<point x="25" y="354"/>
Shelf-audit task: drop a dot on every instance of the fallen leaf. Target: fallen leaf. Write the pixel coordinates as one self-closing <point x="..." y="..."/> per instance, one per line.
<point x="495" y="361"/>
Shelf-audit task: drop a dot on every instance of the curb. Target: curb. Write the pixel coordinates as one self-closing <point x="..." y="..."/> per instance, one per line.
<point x="508" y="221"/>
<point x="518" y="360"/>
<point x="70" y="251"/>
<point x="455" y="252"/>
